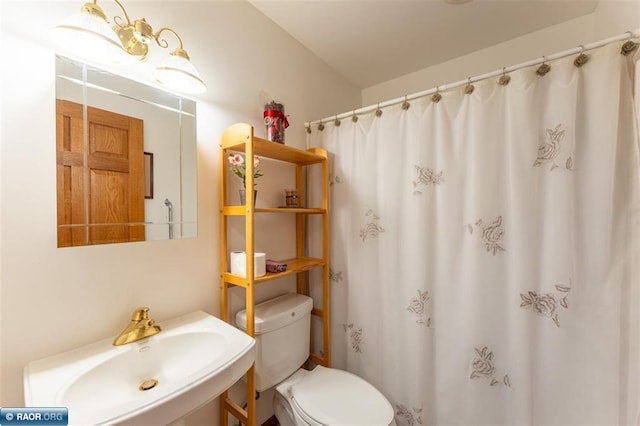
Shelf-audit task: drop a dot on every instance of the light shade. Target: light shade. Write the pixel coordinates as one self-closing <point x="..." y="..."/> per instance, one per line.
<point x="178" y="73"/>
<point x="88" y="35"/>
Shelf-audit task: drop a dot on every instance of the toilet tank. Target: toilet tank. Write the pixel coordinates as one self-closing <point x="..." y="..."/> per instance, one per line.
<point x="282" y="333"/>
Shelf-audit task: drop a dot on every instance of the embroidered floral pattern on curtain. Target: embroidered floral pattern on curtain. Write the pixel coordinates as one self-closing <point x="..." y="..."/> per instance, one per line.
<point x="420" y="307"/>
<point x="483" y="367"/>
<point x="426" y="177"/>
<point x="491" y="234"/>
<point x="483" y="245"/>
<point x="549" y="150"/>
<point x="546" y="305"/>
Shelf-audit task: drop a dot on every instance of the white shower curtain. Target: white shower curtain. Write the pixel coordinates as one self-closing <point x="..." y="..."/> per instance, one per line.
<point x="484" y="249"/>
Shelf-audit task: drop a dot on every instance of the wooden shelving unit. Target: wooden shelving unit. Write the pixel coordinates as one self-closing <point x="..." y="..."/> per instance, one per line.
<point x="240" y="138"/>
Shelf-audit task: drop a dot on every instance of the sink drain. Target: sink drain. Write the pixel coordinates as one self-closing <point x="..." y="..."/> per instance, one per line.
<point x="148" y="384"/>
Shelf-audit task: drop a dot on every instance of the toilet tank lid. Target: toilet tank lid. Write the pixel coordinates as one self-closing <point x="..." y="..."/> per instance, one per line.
<point x="276" y="313"/>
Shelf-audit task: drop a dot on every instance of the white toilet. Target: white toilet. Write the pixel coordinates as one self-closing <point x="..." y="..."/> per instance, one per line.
<point x="320" y="397"/>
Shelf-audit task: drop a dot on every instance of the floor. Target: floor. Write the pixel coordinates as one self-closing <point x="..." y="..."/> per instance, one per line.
<point x="271" y="421"/>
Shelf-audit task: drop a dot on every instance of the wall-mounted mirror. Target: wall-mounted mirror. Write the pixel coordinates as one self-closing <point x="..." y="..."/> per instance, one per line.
<point x="126" y="159"/>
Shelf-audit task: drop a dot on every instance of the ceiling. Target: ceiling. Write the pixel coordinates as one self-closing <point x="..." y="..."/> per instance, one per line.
<point x="373" y="41"/>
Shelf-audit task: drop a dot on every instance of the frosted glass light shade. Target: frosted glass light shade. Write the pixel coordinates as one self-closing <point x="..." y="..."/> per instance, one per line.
<point x="89" y="36"/>
<point x="177" y="73"/>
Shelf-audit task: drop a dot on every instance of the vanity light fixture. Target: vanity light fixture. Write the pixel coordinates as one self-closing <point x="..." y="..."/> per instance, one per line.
<point x="89" y="35"/>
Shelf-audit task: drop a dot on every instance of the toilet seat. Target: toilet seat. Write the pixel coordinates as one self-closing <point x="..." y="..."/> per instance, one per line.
<point x="328" y="396"/>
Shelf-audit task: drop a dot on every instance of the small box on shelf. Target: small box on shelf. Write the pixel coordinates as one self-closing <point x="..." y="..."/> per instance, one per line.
<point x="275" y="266"/>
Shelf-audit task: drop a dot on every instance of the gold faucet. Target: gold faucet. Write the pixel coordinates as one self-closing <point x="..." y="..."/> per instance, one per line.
<point x="139" y="328"/>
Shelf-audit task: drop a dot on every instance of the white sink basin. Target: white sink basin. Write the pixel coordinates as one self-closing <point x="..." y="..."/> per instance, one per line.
<point x="194" y="359"/>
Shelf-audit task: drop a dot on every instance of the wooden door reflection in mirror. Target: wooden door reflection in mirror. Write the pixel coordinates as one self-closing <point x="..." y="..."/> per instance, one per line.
<point x="103" y="184"/>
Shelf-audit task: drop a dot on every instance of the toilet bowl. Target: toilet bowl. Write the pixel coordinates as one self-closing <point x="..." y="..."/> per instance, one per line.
<point x="322" y="396"/>
<point x="328" y="396"/>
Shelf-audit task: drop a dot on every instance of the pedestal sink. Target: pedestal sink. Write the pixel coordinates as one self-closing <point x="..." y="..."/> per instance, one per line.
<point x="150" y="382"/>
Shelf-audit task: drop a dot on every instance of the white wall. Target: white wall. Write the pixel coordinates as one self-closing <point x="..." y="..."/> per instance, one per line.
<point x="611" y="17"/>
<point x="54" y="299"/>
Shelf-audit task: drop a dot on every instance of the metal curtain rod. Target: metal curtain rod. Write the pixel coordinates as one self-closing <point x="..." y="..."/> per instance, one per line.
<point x="580" y="49"/>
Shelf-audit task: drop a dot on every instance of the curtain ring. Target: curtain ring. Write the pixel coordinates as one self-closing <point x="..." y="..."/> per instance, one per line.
<point x="378" y="112"/>
<point x="336" y="122"/>
<point x="629" y="46"/>
<point x="544" y="68"/>
<point x="309" y="128"/>
<point x="581" y="59"/>
<point x="469" y="88"/>
<point x="435" y="98"/>
<point x="354" y="117"/>
<point x="321" y="126"/>
<point x="405" y="104"/>
<point x="504" y="78"/>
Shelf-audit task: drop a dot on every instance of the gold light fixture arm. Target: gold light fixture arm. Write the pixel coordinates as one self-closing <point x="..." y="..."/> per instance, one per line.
<point x="117" y="18"/>
<point x="164" y="44"/>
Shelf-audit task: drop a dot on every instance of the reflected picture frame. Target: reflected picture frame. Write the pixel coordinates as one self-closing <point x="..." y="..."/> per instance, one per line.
<point x="148" y="175"/>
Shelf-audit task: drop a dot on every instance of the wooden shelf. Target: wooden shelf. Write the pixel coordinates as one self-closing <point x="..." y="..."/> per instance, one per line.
<point x="240" y="138"/>
<point x="294" y="266"/>
<point x="242" y="210"/>
<point x="302" y="210"/>
<point x="235" y="139"/>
